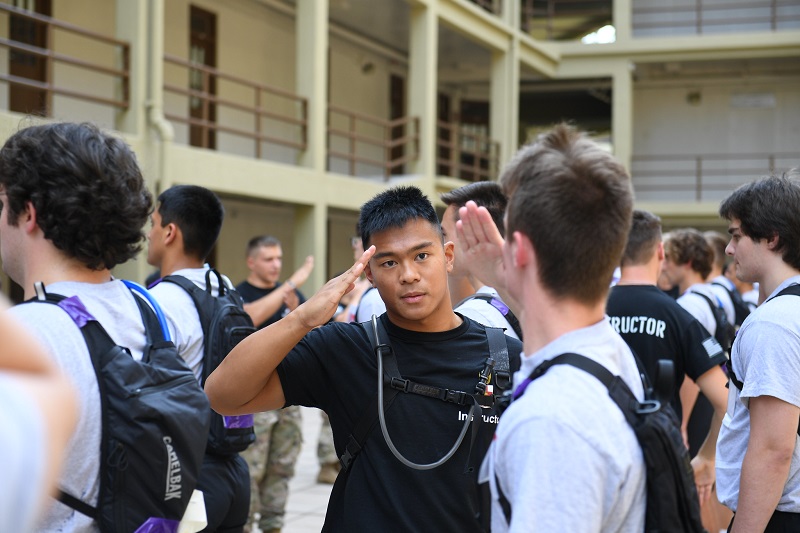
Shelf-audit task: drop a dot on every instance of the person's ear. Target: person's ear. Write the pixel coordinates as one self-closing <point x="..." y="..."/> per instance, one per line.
<point x="28" y="218"/>
<point x="368" y="272"/>
<point x="772" y="242"/>
<point x="449" y="255"/>
<point x="170" y="233"/>
<point x="660" y="251"/>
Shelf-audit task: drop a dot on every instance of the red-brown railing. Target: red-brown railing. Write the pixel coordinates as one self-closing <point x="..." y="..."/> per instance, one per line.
<point x="257" y="110"/>
<point x="50" y="86"/>
<point x="697" y="16"/>
<point x="699" y="176"/>
<point x="464" y="154"/>
<point x="366" y="143"/>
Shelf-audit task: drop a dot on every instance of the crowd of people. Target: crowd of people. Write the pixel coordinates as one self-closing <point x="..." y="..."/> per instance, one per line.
<point x="426" y="358"/>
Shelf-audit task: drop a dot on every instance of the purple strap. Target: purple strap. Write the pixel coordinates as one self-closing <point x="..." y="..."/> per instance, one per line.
<point x="239" y="421"/>
<point x="520" y="390"/>
<point x="500" y="306"/>
<point x="76" y="310"/>
<point x="158" y="525"/>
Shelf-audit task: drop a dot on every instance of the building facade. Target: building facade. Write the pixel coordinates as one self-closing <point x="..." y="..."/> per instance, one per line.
<point x="297" y="111"/>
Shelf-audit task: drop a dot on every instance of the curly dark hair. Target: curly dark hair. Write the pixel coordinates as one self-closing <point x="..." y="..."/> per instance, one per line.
<point x="90" y="198"/>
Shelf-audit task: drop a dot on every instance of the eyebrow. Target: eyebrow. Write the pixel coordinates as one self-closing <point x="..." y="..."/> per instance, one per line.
<point x="419" y="246"/>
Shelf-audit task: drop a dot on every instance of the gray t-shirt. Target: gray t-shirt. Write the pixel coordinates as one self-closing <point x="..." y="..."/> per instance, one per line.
<point x="766" y="357"/>
<point x="112" y="304"/>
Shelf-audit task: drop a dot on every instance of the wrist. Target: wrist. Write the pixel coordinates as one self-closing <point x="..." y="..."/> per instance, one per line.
<point x="291" y="284"/>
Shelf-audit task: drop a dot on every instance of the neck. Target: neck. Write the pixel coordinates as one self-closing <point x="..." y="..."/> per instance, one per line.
<point x="690" y="279"/>
<point x="556" y="317"/>
<point x="460" y="287"/>
<point x="172" y="264"/>
<point x="646" y="274"/>
<point x="58" y="268"/>
<point x="774" y="276"/>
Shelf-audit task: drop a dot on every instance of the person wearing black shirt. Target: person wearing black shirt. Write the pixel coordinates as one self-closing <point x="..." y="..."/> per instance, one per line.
<point x="334" y="368"/>
<point x="656" y="327"/>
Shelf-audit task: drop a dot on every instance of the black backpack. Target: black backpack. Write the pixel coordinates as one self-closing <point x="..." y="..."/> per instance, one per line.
<point x="726" y="331"/>
<point x="672" y="502"/>
<point x="154" y="423"/>
<point x="225" y="324"/>
<point x="498" y="304"/>
<point x="739" y="305"/>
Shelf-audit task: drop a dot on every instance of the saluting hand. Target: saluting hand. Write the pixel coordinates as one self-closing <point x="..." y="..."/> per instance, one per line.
<point x="319" y="309"/>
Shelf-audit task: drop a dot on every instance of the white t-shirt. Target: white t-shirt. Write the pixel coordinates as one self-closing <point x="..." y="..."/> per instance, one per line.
<point x="370" y="304"/>
<point x="766" y="357"/>
<point x="698" y="307"/>
<point x="112" y="304"/>
<point x="22" y="457"/>
<point x="724" y="296"/>
<point x="485" y="313"/>
<point x="182" y="318"/>
<point x="566" y="458"/>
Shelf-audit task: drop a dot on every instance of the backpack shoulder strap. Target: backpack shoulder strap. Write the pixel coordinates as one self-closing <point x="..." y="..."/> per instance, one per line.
<point x="369" y="418"/>
<point x="498" y="351"/>
<point x="500" y="306"/>
<point x="198" y="296"/>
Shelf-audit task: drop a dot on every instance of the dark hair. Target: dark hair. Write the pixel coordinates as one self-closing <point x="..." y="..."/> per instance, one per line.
<point x="487" y="194"/>
<point x="573" y="200"/>
<point x="198" y="212"/>
<point x="643" y="238"/>
<point x="718" y="243"/>
<point x="90" y="199"/>
<point x="769" y="207"/>
<point x="261" y="241"/>
<point x="687" y="245"/>
<point x="393" y="208"/>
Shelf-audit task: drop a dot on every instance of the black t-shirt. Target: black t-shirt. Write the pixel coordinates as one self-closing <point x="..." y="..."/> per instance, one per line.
<point x="656" y="327"/>
<point x="251" y="293"/>
<point x="333" y="368"/>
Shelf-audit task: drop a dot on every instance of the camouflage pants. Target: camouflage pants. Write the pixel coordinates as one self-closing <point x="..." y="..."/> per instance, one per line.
<point x="271" y="460"/>
<point x="326" y="453"/>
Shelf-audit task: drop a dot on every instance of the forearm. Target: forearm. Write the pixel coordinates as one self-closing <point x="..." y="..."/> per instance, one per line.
<point x="246" y="381"/>
<point x="764" y="474"/>
<point x="263" y="308"/>
<point x="712" y="385"/>
<point x="765" y="468"/>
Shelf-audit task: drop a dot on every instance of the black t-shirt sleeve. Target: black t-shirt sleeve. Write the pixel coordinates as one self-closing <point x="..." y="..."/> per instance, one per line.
<point x="702" y="352"/>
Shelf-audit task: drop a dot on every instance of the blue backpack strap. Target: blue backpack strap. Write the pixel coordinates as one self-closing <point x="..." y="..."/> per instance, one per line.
<point x="162" y="320"/>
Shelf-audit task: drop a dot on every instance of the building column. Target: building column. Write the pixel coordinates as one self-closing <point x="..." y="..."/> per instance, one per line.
<point x="132" y="26"/>
<point x="311" y="238"/>
<point x="622" y="19"/>
<point x="504" y="91"/>
<point x="422" y="88"/>
<point x="311" y="67"/>
<point x="622" y="113"/>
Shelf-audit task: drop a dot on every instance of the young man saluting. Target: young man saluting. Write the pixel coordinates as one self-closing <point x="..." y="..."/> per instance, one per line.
<point x="334" y="368"/>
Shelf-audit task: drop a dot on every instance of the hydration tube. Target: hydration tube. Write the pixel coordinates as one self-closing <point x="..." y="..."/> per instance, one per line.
<point x="162" y="320"/>
<point x="385" y="431"/>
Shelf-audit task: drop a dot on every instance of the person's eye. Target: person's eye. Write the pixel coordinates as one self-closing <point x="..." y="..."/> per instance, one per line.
<point x="423" y="256"/>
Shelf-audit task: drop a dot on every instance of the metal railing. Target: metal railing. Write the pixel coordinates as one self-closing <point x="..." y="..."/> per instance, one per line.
<point x="564" y="19"/>
<point x="51" y="58"/>
<point x="384" y="145"/>
<point x="699" y="17"/>
<point x="257" y="110"/>
<point x="698" y="176"/>
<point x="466" y="155"/>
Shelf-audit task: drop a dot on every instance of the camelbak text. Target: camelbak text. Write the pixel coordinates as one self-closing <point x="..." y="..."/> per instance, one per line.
<point x="173" y="472"/>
